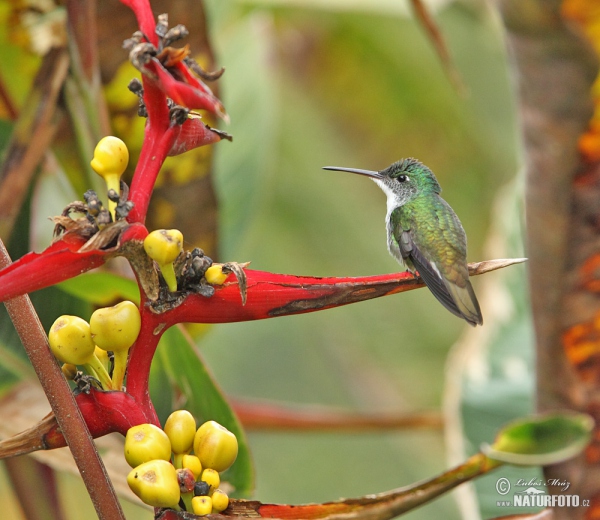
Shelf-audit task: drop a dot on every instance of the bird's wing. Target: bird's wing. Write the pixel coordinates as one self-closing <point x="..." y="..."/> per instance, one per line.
<point x="446" y="273"/>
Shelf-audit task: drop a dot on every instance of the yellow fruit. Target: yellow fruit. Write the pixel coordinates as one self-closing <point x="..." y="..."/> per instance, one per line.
<point x="110" y="160"/>
<point x="155" y="483"/>
<point x="202" y="505"/>
<point x="110" y="156"/>
<point x="214" y="275"/>
<point x="164" y="246"/>
<point x="211" y="477"/>
<point x="146" y="442"/>
<point x="220" y="501"/>
<point x="116" y="329"/>
<point x="71" y="341"/>
<point x="215" y="446"/>
<point x="192" y="463"/>
<point x="181" y="429"/>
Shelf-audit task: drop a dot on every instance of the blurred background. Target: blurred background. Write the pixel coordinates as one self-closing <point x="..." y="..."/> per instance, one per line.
<point x="359" y="84"/>
<point x="311" y="83"/>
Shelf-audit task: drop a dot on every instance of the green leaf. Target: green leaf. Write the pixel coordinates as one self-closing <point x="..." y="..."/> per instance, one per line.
<point x="542" y="440"/>
<point x="204" y="399"/>
<point x="102" y="288"/>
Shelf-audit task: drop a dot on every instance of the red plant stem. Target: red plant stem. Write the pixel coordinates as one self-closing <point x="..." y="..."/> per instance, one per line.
<point x="145" y="19"/>
<point x="158" y="141"/>
<point x="140" y="359"/>
<point x="63" y="404"/>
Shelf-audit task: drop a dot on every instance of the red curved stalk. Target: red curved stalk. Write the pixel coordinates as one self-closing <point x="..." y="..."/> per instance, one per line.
<point x="270" y="295"/>
<point x="57" y="263"/>
<point x="143" y="13"/>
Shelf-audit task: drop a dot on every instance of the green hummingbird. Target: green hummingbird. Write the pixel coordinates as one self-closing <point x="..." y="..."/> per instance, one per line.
<point x="425" y="234"/>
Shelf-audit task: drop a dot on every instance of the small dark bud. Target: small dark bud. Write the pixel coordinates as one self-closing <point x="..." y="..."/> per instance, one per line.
<point x="113" y="195"/>
<point x="162" y="25"/>
<point x="186" y="480"/>
<point x="178" y="114"/>
<point x="135" y="86"/>
<point x="123" y="209"/>
<point x="141" y="54"/>
<point x="201" y="489"/>
<point x="174" y="34"/>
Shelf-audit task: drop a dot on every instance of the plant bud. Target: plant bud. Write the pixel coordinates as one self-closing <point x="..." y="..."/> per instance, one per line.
<point x="202" y="505"/>
<point x="220" y="501"/>
<point x="155" y="483"/>
<point x="214" y="275"/>
<point x="116" y="328"/>
<point x="211" y="477"/>
<point x="215" y="446"/>
<point x="181" y="429"/>
<point x="71" y="341"/>
<point x="146" y="442"/>
<point x="192" y="463"/>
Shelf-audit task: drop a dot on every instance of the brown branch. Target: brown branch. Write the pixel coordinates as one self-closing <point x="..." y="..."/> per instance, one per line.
<point x="435" y="35"/>
<point x="63" y="404"/>
<point x="31" y="137"/>
<point x="266" y="415"/>
<point x="8" y="102"/>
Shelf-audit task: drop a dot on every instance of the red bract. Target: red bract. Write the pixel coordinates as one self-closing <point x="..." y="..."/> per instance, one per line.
<point x="185" y="90"/>
<point x="193" y="134"/>
<point x="145" y="18"/>
<point x="63" y="260"/>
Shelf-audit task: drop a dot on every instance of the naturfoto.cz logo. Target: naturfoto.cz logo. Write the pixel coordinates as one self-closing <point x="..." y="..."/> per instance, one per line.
<point x="526" y="494"/>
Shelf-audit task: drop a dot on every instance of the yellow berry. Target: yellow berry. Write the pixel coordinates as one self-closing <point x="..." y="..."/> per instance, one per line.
<point x="181" y="429"/>
<point x="220" y="501"/>
<point x="71" y="341"/>
<point x="155" y="483"/>
<point x="164" y="246"/>
<point x="110" y="156"/>
<point x="110" y="160"/>
<point x="215" y="446"/>
<point x="192" y="463"/>
<point x="146" y="442"/>
<point x="214" y="275"/>
<point x="211" y="477"/>
<point x="116" y="329"/>
<point x="202" y="505"/>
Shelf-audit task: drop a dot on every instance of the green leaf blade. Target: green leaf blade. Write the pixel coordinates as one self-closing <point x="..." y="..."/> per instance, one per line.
<point x="542" y="440"/>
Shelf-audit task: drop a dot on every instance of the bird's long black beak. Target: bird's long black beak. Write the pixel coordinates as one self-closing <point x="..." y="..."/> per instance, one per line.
<point x="368" y="173"/>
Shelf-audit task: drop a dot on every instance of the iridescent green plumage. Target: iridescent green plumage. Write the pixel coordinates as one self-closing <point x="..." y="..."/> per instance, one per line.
<point x="426" y="235"/>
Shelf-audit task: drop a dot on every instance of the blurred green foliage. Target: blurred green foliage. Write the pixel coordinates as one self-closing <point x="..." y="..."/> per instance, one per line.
<point x="315" y="83"/>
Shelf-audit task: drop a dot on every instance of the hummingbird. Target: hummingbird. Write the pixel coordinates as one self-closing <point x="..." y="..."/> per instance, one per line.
<point x="425" y="235"/>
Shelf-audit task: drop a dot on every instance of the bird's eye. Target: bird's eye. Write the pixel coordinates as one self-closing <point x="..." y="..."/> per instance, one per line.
<point x="402" y="178"/>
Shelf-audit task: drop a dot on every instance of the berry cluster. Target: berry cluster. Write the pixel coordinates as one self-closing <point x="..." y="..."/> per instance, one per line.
<point x="167" y="474"/>
<point x="108" y="336"/>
